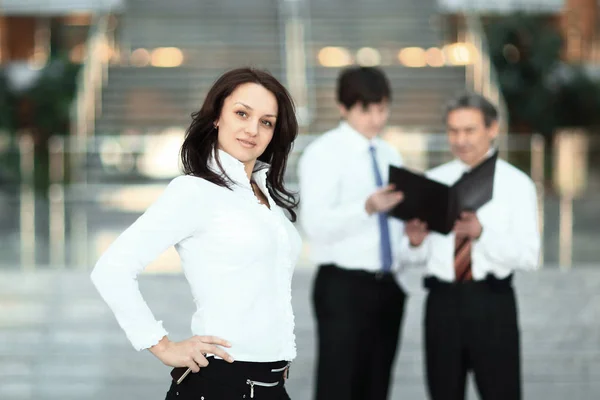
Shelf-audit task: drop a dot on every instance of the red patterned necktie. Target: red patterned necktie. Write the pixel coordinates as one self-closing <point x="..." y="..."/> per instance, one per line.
<point x="462" y="259"/>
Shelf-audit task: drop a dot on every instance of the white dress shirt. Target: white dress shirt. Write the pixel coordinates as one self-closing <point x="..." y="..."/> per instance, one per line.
<point x="336" y="178"/>
<point x="237" y="254"/>
<point x="510" y="238"/>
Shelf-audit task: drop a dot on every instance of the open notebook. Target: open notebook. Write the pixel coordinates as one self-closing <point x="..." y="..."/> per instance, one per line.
<point x="440" y="205"/>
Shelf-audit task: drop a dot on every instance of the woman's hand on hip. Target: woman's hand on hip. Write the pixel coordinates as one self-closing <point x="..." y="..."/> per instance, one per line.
<point x="191" y="352"/>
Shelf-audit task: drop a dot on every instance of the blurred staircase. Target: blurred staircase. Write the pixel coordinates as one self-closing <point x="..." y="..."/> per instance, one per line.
<point x="418" y="93"/>
<point x="213" y="36"/>
<point x="218" y="35"/>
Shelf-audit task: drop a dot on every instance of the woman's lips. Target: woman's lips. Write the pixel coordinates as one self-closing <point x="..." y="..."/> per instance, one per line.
<point x="246" y="143"/>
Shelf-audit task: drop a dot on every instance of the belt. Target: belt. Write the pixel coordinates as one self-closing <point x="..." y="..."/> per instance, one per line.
<point x="490" y="281"/>
<point x="375" y="275"/>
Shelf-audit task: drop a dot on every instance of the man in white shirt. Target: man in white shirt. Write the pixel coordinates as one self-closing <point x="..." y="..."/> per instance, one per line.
<point x="471" y="322"/>
<point x="344" y="197"/>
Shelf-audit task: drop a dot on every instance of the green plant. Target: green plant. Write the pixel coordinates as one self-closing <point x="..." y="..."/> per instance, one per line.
<point x="51" y="98"/>
<point x="42" y="110"/>
<point x="542" y="92"/>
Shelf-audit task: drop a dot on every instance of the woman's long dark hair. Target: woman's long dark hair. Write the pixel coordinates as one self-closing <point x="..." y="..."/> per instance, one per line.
<point x="201" y="137"/>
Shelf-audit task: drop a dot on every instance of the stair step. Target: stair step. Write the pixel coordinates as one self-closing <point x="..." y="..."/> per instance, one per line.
<point x="120" y="111"/>
<point x="320" y="74"/>
<point x="413" y="118"/>
<point x="401" y="95"/>
<point x="250" y="8"/>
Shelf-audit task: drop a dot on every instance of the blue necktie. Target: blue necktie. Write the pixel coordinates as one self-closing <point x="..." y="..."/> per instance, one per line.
<point x="384" y="229"/>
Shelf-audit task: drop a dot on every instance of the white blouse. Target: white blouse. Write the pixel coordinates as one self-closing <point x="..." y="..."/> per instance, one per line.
<point x="237" y="254"/>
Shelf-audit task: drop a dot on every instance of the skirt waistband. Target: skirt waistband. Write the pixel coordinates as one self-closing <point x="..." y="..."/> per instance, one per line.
<point x="238" y="373"/>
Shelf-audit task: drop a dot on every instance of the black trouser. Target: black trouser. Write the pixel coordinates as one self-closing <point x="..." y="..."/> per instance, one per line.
<point x="472" y="327"/>
<point x="359" y="316"/>
<point x="223" y="381"/>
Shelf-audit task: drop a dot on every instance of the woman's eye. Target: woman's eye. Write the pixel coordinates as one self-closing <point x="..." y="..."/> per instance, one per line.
<point x="241" y="113"/>
<point x="268" y="123"/>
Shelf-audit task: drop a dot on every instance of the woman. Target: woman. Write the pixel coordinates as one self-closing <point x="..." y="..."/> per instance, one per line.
<point x="227" y="219"/>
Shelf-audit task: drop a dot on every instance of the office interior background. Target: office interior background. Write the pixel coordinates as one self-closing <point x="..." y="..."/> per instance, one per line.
<point x="95" y="97"/>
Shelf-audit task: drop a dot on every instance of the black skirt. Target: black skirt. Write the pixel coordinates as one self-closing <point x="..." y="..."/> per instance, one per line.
<point x="221" y="380"/>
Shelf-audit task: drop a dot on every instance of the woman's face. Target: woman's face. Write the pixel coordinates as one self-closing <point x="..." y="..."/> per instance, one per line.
<point x="247" y="122"/>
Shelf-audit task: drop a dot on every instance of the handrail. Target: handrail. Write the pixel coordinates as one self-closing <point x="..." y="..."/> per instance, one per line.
<point x="482" y="74"/>
<point x="91" y="79"/>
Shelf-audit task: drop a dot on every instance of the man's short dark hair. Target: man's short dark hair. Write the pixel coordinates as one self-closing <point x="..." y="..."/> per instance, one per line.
<point x="473" y="100"/>
<point x="365" y="85"/>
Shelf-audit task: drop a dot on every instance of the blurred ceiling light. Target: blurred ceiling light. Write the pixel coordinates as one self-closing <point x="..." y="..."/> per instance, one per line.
<point x="111" y="153"/>
<point x="511" y="53"/>
<point x="460" y="53"/>
<point x="435" y="57"/>
<point x="334" y="57"/>
<point x="412" y="57"/>
<point x="368" y="57"/>
<point x="107" y="52"/>
<point x="140" y="58"/>
<point x="167" y="57"/>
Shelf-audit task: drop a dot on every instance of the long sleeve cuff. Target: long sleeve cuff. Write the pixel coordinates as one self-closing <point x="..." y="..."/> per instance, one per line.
<point x="141" y="340"/>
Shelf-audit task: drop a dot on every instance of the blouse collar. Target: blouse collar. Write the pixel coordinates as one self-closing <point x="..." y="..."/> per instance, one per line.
<point x="235" y="169"/>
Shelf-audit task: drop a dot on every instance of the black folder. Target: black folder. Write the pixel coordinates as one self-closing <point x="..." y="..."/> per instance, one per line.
<point x="440" y="205"/>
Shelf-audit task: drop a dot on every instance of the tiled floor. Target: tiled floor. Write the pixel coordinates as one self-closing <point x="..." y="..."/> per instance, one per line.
<point x="59" y="341"/>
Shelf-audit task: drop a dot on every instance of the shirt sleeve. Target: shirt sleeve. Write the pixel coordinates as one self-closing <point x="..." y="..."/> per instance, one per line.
<point x="166" y="222"/>
<point x="322" y="216"/>
<point x="520" y="246"/>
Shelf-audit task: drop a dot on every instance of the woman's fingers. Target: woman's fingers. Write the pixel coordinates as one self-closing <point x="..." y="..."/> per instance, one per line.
<point x="193" y="364"/>
<point x="212" y="345"/>
<point x="200" y="360"/>
<point x="213" y="340"/>
<point x="217" y="351"/>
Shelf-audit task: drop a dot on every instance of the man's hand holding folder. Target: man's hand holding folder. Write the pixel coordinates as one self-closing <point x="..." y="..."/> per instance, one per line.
<point x="468" y="226"/>
<point x="383" y="199"/>
<point x="443" y="208"/>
